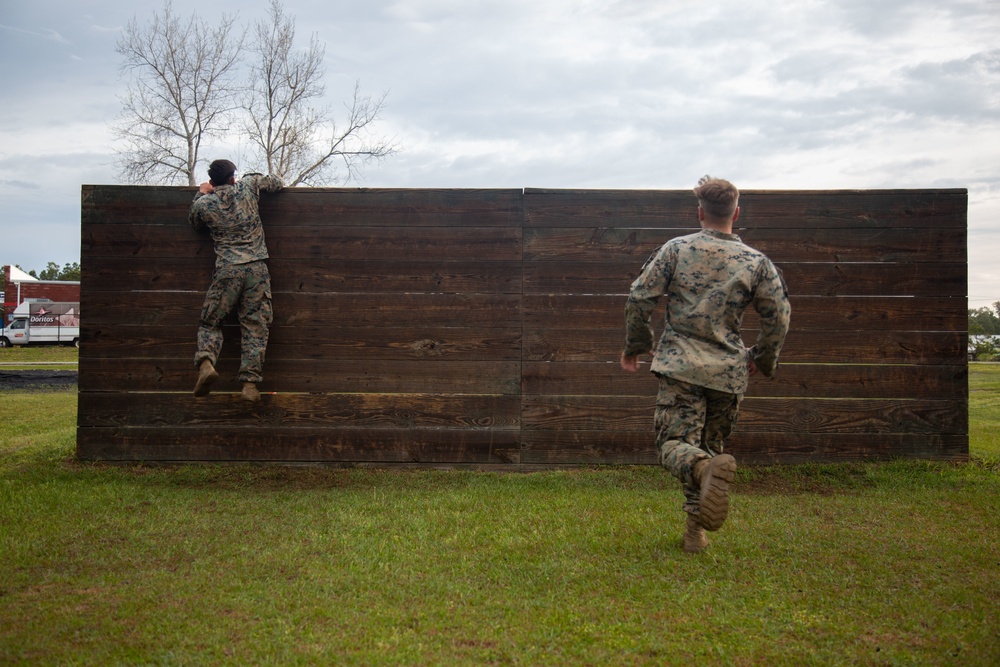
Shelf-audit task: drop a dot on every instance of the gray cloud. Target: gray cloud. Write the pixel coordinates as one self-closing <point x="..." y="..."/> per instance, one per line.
<point x="43" y="34"/>
<point x="6" y="183"/>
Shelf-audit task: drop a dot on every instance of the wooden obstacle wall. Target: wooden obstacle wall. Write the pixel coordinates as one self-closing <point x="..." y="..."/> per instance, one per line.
<point x="483" y="328"/>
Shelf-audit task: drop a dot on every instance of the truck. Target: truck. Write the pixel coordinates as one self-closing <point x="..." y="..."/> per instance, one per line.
<point x="41" y="321"/>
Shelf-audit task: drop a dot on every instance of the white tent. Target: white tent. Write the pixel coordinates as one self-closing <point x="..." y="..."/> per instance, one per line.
<point x="17" y="275"/>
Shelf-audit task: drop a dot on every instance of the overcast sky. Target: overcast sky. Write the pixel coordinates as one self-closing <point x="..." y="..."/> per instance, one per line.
<point x="562" y="94"/>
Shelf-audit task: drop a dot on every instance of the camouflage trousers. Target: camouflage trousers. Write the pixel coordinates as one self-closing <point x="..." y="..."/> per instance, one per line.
<point x="247" y="286"/>
<point x="691" y="424"/>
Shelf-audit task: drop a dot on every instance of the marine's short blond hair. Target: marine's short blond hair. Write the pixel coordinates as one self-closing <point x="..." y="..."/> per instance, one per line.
<point x="717" y="197"/>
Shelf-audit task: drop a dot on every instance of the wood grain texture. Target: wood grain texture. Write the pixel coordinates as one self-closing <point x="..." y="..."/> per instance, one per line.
<point x="659" y="209"/>
<point x="823" y="380"/>
<point x="846" y="347"/>
<point x="829" y="279"/>
<point x="790" y="415"/>
<point x="889" y="245"/>
<point x="312" y="411"/>
<point x="482" y="328"/>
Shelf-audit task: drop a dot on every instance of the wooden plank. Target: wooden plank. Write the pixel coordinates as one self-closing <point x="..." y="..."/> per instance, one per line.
<point x="789" y="415"/>
<point x="103" y="204"/>
<point x="943" y="279"/>
<point x="849" y="347"/>
<point x="298" y="445"/>
<point x="329" y="243"/>
<point x="107" y="204"/>
<point x="607" y="311"/>
<point x="891" y="245"/>
<point x="759" y="208"/>
<point x="623" y="245"/>
<point x="592" y="278"/>
<point x="541" y="448"/>
<point x="297" y="207"/>
<point x="602" y="244"/>
<point x="378" y="207"/>
<point x="797" y="416"/>
<point x="868" y="381"/>
<point x="375" y="411"/>
<point x="632" y="448"/>
<point x="603" y="447"/>
<point x="625" y="208"/>
<point x="294" y="375"/>
<point x="310" y="342"/>
<point x="944" y="208"/>
<point x="404" y="274"/>
<point x="107" y="309"/>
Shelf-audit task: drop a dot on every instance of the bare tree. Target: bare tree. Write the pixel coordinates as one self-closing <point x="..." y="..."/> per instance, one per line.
<point x="297" y="141"/>
<point x="180" y="93"/>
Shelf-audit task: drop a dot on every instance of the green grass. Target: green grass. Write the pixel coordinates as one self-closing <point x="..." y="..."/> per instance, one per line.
<point x="27" y="357"/>
<point x="867" y="563"/>
<point x="984" y="411"/>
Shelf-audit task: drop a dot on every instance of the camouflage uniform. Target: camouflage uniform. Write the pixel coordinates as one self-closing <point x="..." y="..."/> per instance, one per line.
<point x="241" y="276"/>
<point x="709" y="279"/>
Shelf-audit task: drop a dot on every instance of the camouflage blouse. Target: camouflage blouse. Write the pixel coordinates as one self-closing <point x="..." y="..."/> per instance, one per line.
<point x="231" y="216"/>
<point x="709" y="279"/>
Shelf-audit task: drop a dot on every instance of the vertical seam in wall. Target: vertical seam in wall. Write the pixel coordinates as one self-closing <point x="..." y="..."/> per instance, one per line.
<point x="520" y="310"/>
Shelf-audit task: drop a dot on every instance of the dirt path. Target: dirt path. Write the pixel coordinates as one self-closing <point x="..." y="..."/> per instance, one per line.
<point x="37" y="379"/>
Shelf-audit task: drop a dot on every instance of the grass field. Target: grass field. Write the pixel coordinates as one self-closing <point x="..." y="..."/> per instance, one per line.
<point x="21" y="357"/>
<point x="861" y="564"/>
<point x="984" y="411"/>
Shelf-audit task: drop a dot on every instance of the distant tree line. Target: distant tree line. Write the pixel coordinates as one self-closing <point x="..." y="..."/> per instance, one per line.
<point x="52" y="271"/>
<point x="984" y="333"/>
<point x="985" y="321"/>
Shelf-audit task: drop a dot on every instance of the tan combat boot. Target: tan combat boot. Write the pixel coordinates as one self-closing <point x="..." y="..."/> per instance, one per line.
<point x="250" y="392"/>
<point x="713" y="477"/>
<point x="695" y="540"/>
<point x="206" y="376"/>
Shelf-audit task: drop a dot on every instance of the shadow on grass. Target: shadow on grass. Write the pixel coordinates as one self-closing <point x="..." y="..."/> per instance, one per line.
<point x="814" y="479"/>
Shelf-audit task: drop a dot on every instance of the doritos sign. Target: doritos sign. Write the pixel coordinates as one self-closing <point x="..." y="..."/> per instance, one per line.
<point x="54" y="315"/>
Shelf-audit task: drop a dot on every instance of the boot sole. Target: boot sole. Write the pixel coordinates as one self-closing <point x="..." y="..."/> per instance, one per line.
<point x="714" y="502"/>
<point x="205" y="381"/>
